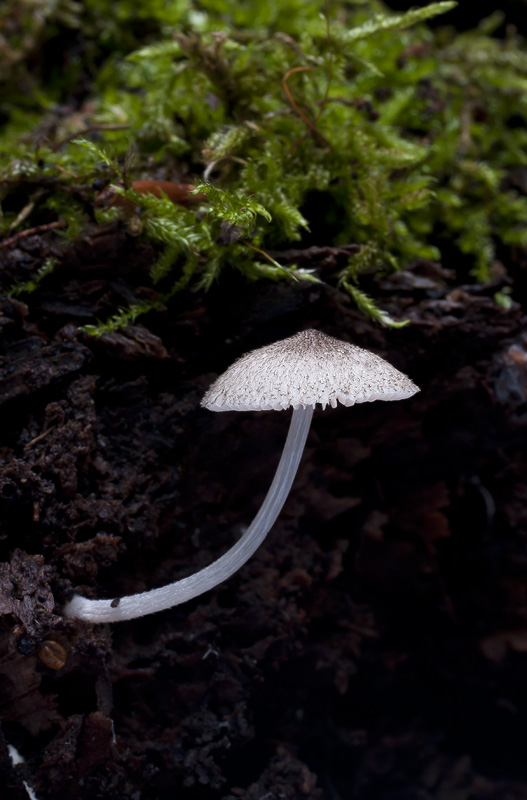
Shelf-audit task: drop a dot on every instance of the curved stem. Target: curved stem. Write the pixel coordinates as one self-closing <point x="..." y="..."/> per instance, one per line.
<point x="138" y="605"/>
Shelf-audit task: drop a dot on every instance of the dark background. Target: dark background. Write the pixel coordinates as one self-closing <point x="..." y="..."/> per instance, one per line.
<point x="375" y="648"/>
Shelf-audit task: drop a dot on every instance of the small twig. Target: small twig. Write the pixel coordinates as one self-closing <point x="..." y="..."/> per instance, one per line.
<point x="212" y="164"/>
<point x="85" y="131"/>
<point x="28" y="208"/>
<point x="39" y="437"/>
<point x="330" y="62"/>
<point x="269" y="258"/>
<point x="286" y="39"/>
<point x="322" y="102"/>
<point x="66" y="171"/>
<point x="31" y="231"/>
<point x="296" y="107"/>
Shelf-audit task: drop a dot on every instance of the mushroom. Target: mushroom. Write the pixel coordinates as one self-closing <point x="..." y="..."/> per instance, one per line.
<point x="301" y="371"/>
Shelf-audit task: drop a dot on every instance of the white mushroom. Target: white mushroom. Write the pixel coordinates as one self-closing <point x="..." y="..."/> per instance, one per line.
<point x="300" y="371"/>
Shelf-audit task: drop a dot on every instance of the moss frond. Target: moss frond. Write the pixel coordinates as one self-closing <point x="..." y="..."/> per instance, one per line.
<point x="380" y="23"/>
<point x="403" y="134"/>
<point x="370" y="308"/>
<point x="29" y="286"/>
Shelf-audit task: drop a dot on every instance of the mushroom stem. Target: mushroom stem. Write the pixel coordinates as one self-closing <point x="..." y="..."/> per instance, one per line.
<point x="138" y="605"/>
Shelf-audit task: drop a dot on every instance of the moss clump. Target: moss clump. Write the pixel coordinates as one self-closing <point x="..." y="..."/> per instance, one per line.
<point x="408" y="137"/>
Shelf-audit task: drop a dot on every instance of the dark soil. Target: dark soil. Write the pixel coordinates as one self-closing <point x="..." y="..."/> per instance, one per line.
<point x="376" y="645"/>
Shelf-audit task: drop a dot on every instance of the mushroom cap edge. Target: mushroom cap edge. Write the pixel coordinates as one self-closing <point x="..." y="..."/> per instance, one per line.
<point x="307" y="368"/>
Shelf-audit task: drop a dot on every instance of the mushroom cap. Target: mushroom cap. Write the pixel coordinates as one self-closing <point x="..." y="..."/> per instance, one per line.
<point x="303" y="370"/>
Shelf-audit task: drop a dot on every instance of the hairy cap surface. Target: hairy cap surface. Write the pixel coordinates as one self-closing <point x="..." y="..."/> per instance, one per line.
<point x="305" y="369"/>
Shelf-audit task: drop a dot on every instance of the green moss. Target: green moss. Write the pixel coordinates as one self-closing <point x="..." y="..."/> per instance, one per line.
<point x="29" y="286"/>
<point x="408" y="136"/>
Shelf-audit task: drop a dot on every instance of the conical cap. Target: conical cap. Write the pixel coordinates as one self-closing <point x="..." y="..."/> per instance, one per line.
<point x="305" y="369"/>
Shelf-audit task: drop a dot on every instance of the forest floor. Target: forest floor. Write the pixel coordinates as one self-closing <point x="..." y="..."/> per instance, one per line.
<point x="375" y="647"/>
